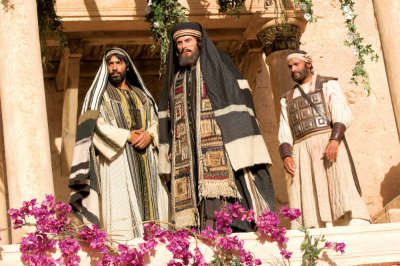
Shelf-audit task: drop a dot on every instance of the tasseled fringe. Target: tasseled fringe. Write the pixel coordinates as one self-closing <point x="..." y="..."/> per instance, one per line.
<point x="217" y="189"/>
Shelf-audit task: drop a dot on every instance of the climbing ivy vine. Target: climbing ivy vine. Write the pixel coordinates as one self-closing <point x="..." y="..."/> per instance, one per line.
<point x="361" y="50"/>
<point x="162" y="15"/>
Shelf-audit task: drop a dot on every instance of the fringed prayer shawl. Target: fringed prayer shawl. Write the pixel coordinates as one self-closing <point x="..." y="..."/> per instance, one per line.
<point x="215" y="174"/>
<point x="84" y="177"/>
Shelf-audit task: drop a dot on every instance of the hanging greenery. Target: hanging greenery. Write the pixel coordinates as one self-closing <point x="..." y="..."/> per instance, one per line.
<point x="306" y="7"/>
<point x="354" y="40"/>
<point x="231" y="7"/>
<point x="360" y="49"/>
<point x="48" y="22"/>
<point x="163" y="14"/>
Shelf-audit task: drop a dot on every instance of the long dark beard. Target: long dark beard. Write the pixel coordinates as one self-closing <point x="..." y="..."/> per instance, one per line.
<point x="116" y="80"/>
<point x="187" y="60"/>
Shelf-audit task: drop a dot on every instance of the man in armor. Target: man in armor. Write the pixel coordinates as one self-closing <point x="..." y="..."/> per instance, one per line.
<point x="320" y="174"/>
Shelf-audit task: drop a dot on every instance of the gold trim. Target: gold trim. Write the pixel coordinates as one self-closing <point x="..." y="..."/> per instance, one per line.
<point x="186" y="32"/>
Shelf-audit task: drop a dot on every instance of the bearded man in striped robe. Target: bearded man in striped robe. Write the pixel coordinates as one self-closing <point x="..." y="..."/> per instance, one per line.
<point x="211" y="148"/>
<point x="116" y="153"/>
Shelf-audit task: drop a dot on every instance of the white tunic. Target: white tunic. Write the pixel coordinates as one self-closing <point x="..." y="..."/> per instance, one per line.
<point x="325" y="192"/>
<point x="120" y="212"/>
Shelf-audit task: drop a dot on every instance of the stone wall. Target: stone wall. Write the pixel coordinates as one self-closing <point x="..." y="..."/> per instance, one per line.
<point x="372" y="136"/>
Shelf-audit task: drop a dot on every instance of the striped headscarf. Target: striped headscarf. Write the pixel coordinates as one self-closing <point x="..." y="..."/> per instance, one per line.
<point x="93" y="97"/>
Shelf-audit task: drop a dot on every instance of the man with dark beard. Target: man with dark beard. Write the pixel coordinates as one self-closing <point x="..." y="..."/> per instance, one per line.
<point x="319" y="170"/>
<point x="116" y="152"/>
<point x="210" y="144"/>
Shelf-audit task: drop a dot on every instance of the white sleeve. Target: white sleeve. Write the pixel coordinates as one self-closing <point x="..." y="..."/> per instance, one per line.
<point x="285" y="134"/>
<point x="337" y="104"/>
<point x="109" y="140"/>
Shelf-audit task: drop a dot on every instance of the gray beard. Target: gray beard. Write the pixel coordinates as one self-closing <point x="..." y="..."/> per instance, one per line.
<point x="185" y="60"/>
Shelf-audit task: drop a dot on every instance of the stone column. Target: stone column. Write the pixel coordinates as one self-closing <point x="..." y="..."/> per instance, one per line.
<point x="4" y="230"/>
<point x="71" y="71"/>
<point x="388" y="20"/>
<point x="256" y="71"/>
<point x="278" y="41"/>
<point x="23" y="105"/>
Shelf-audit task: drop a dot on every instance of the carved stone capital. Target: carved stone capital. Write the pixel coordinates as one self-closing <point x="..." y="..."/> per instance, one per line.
<point x="279" y="37"/>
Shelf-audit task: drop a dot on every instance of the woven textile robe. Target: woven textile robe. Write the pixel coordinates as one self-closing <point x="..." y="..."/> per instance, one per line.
<point x="131" y="190"/>
<point x="251" y="187"/>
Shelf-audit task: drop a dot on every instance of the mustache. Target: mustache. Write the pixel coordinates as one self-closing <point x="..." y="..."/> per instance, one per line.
<point x="185" y="50"/>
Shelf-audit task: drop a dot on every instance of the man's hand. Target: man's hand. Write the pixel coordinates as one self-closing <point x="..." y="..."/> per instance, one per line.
<point x="135" y="135"/>
<point x="142" y="140"/>
<point x="331" y="150"/>
<point x="290" y="165"/>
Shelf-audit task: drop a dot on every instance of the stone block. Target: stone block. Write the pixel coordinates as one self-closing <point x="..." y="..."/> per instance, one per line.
<point x="390" y="213"/>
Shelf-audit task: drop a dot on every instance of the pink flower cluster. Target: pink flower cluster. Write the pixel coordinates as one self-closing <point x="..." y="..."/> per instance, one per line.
<point x="268" y="224"/>
<point x="290" y="213"/>
<point x="69" y="249"/>
<point x="35" y="248"/>
<point x="94" y="237"/>
<point x="128" y="256"/>
<point x="336" y="246"/>
<point x="52" y="218"/>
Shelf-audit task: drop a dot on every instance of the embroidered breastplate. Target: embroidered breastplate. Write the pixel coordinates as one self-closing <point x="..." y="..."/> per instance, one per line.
<point x="303" y="118"/>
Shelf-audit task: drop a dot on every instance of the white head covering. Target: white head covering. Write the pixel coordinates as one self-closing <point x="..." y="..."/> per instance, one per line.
<point x="300" y="55"/>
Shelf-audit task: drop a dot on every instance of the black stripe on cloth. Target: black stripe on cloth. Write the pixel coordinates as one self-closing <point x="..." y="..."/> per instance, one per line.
<point x="77" y="214"/>
<point x="90" y="216"/>
<point x="163" y="125"/>
<point x="78" y="180"/>
<point x="237" y="125"/>
<point x="85" y="129"/>
<point x="77" y="167"/>
<point x="93" y="173"/>
<point x="82" y="191"/>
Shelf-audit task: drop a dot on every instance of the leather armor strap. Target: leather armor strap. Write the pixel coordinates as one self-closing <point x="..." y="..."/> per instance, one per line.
<point x="305" y="96"/>
<point x="285" y="149"/>
<point x="338" y="130"/>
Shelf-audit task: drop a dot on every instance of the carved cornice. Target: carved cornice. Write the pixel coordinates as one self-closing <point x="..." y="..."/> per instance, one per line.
<point x="279" y="37"/>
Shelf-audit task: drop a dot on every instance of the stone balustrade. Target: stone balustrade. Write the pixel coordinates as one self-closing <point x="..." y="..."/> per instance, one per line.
<point x="371" y="244"/>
